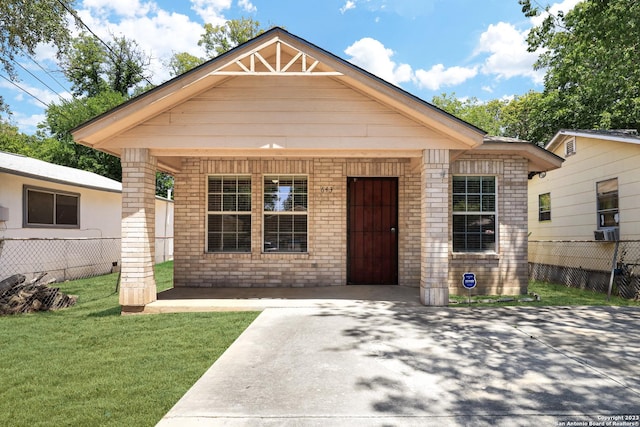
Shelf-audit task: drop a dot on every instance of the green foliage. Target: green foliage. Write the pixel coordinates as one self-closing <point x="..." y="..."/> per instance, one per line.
<point x="591" y="57"/>
<point x="222" y="38"/>
<point x="24" y="24"/>
<point x="182" y="62"/>
<point x="529" y="117"/>
<point x="88" y="365"/>
<point x="61" y="119"/>
<point x="484" y="115"/>
<point x="92" y="67"/>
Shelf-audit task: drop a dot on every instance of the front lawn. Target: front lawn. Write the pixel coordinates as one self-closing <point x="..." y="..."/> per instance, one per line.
<point x="88" y="365"/>
<point x="550" y="295"/>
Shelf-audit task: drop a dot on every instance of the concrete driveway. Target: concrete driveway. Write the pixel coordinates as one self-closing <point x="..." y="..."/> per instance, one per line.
<point x="395" y="364"/>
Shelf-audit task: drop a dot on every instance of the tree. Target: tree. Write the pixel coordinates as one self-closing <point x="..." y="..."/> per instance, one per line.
<point x="529" y="117"/>
<point x="484" y="115"/>
<point x="27" y="23"/>
<point x="216" y="41"/>
<point x="24" y="24"/>
<point x="222" y="38"/>
<point x="591" y="57"/>
<point x="93" y="67"/>
<point x="182" y="62"/>
<point x="61" y="119"/>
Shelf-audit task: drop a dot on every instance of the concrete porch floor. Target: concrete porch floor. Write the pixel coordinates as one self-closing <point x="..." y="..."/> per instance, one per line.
<point x="178" y="300"/>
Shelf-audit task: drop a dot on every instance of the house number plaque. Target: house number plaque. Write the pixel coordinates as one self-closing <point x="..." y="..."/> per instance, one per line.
<point x="326" y="190"/>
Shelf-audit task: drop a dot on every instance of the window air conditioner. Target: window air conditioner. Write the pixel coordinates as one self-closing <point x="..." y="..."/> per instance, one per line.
<point x="607" y="234"/>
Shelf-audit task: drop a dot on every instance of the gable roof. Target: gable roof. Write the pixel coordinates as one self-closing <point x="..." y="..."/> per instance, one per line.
<point x="274" y="53"/>
<point x="620" y="135"/>
<point x="16" y="164"/>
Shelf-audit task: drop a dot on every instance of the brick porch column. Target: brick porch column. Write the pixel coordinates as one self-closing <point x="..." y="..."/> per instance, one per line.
<point x="434" y="254"/>
<point x="137" y="281"/>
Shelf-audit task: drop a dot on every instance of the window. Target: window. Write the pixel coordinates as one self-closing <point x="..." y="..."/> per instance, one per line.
<point x="285" y="213"/>
<point x="607" y="194"/>
<point x="51" y="208"/>
<point x="229" y="213"/>
<point x="474" y="213"/>
<point x="544" y="207"/>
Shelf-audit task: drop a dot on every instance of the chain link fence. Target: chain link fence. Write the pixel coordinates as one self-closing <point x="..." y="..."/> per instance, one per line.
<point x="588" y="265"/>
<point x="67" y="259"/>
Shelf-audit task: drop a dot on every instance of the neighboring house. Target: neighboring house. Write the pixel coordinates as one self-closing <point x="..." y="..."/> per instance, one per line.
<point x="294" y="167"/>
<point x="596" y="192"/>
<point x="41" y="202"/>
<point x="577" y="212"/>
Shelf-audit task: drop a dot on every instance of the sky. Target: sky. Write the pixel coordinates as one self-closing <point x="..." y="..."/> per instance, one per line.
<point x="470" y="48"/>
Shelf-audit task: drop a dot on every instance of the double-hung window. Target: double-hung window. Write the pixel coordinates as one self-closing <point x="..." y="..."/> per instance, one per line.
<point x="474" y="213"/>
<point x="51" y="208"/>
<point x="285" y="213"/>
<point x="607" y="194"/>
<point x="229" y="213"/>
<point x="544" y="207"/>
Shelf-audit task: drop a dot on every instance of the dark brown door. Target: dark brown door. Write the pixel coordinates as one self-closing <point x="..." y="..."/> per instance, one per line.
<point x="372" y="231"/>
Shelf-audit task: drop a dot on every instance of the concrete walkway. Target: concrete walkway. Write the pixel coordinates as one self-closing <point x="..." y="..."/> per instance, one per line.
<point x="394" y="364"/>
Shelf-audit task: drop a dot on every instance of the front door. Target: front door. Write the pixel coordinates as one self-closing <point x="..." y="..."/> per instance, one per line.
<point x="372" y="231"/>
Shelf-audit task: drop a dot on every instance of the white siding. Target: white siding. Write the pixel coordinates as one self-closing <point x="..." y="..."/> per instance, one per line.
<point x="573" y="191"/>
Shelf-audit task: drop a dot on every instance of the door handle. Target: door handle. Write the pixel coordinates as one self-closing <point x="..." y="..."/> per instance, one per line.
<point x="393" y="229"/>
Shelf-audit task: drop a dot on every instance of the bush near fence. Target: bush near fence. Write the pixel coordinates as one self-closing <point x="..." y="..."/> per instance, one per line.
<point x="67" y="259"/>
<point x="587" y="265"/>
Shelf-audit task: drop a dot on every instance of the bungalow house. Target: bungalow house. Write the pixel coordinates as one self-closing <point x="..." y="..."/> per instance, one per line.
<point x="294" y="167"/>
<point x="42" y="203"/>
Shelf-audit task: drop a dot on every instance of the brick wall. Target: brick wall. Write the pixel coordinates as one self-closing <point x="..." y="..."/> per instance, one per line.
<point x="505" y="272"/>
<point x="325" y="264"/>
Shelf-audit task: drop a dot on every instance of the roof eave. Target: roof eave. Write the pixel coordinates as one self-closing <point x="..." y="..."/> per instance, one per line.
<point x="540" y="159"/>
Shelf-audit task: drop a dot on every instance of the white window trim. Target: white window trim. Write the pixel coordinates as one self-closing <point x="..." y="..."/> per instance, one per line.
<point x="496" y="213"/>
<point x="263" y="212"/>
<point x="207" y="212"/>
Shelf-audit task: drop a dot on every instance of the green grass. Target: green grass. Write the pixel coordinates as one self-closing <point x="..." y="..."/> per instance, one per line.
<point x="88" y="365"/>
<point x="551" y="295"/>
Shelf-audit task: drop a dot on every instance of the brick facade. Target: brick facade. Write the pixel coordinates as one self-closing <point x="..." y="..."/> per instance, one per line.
<point x="424" y="206"/>
<point x="506" y="271"/>
<point x="137" y="285"/>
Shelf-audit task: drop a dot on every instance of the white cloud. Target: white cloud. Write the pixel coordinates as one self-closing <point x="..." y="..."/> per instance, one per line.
<point x="507" y="53"/>
<point x="27" y="123"/>
<point x="347" y="6"/>
<point x="564" y="6"/>
<point x="488" y="89"/>
<point x="371" y="55"/>
<point x="211" y="10"/>
<point x="158" y="35"/>
<point x="129" y="8"/>
<point x="247" y="6"/>
<point x="439" y="76"/>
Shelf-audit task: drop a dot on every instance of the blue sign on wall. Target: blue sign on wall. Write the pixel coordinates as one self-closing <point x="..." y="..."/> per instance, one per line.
<point x="469" y="280"/>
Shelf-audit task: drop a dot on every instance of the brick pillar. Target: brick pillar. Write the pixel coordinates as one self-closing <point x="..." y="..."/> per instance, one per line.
<point x="434" y="253"/>
<point x="137" y="281"/>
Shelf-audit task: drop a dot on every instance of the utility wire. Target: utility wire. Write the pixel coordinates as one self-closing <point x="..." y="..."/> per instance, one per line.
<point x="78" y="19"/>
<point x="25" y="91"/>
<point x="46" y="71"/>
<point x="40" y="80"/>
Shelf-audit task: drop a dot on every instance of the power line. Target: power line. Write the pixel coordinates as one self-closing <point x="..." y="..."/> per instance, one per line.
<point x="45" y="70"/>
<point x="25" y="91"/>
<point x="40" y="80"/>
<point x="78" y="19"/>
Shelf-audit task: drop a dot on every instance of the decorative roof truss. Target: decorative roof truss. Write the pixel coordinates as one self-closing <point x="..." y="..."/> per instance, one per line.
<point x="276" y="58"/>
